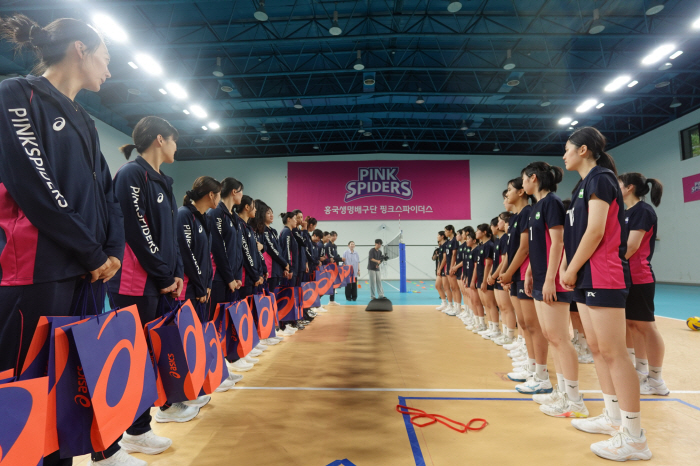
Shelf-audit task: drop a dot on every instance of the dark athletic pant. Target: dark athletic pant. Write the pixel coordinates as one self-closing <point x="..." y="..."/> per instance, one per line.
<point x="351" y="291"/>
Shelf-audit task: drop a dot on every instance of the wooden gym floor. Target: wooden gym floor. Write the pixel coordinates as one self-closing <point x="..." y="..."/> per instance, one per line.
<point x="329" y="393"/>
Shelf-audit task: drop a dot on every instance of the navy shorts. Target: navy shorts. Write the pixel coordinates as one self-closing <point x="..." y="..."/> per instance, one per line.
<point x="480" y="282"/>
<point x="458" y="274"/>
<point x="517" y="289"/>
<point x="497" y="286"/>
<point x="573" y="307"/>
<point x="601" y="297"/>
<point x="562" y="296"/>
<point x="640" y="303"/>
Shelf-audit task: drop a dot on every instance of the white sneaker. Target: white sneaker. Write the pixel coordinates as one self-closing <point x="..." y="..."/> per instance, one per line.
<point x="642" y="376"/>
<point x="255" y="353"/>
<point x="120" y="458"/>
<point x="148" y="443"/>
<point x="226" y="385"/>
<point x="320" y="309"/>
<point x="535" y="386"/>
<point x="512" y="346"/>
<point x="492" y="335"/>
<point x="623" y="447"/>
<point x="469" y="326"/>
<point x="261" y="346"/>
<point x="442" y="306"/>
<point x="548" y="398"/>
<point x="289" y="330"/>
<point x="597" y="425"/>
<point x="564" y="407"/>
<point x="451" y="311"/>
<point x="480" y="328"/>
<point x="200" y="402"/>
<point x="654" y="387"/>
<point x="519" y="376"/>
<point x="585" y="357"/>
<point x="178" y="412"/>
<point x="251" y="360"/>
<point x="332" y="303"/>
<point x="270" y="341"/>
<point x="503" y="340"/>
<point x="239" y="366"/>
<point x="483" y="332"/>
<point x="235" y="377"/>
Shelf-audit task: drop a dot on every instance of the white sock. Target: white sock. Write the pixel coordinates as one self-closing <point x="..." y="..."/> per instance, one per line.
<point x="582" y="341"/>
<point x="572" y="389"/>
<point x="520" y="338"/>
<point x="531" y="365"/>
<point x="613" y="408"/>
<point x="632" y="422"/>
<point x="482" y="321"/>
<point x="541" y="371"/>
<point x="630" y="351"/>
<point x="561" y="383"/>
<point x="511" y="332"/>
<point x="655" y="373"/>
<point x="642" y="365"/>
<point x="575" y="335"/>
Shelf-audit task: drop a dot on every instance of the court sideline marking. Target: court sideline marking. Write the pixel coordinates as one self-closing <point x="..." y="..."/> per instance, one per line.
<point x="440" y="390"/>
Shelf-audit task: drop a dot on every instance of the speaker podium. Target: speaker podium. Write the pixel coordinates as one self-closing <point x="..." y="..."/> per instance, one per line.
<point x="380" y="305"/>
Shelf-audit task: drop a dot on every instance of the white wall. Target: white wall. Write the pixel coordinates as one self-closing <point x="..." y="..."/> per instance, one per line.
<point x="266" y="179"/>
<point x="110" y="141"/>
<point x="657" y="154"/>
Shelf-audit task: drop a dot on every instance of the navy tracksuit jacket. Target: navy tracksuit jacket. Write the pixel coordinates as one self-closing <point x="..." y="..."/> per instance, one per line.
<point x="226" y="246"/>
<point x="290" y="250"/>
<point x="194" y="240"/>
<point x="59" y="217"/>
<point x="274" y="250"/>
<point x="152" y="256"/>
<point x="252" y="268"/>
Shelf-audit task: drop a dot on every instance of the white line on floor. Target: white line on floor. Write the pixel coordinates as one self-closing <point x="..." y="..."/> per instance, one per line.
<point x="434" y="390"/>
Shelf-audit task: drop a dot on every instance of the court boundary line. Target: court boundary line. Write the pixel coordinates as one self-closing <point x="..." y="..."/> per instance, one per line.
<point x="433" y="390"/>
<point x="413" y="438"/>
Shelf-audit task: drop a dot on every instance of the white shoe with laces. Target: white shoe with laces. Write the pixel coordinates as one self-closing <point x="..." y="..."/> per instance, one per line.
<point x="519" y="376"/>
<point x="623" y="447"/>
<point x="451" y="311"/>
<point x="653" y="386"/>
<point x="601" y="424"/>
<point x="535" y="386"/>
<point x="148" y="443"/>
<point x="227" y="384"/>
<point x="548" y="398"/>
<point x="200" y="402"/>
<point x="270" y="341"/>
<point x="255" y="352"/>
<point x="251" y="360"/>
<point x="261" y="346"/>
<point x="564" y="407"/>
<point x="492" y="336"/>
<point x="503" y="340"/>
<point x="442" y="306"/>
<point x="178" y="412"/>
<point x="516" y="344"/>
<point x="239" y="366"/>
<point x="120" y="458"/>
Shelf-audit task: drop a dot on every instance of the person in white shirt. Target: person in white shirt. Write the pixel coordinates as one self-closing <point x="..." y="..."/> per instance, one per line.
<point x="350" y="257"/>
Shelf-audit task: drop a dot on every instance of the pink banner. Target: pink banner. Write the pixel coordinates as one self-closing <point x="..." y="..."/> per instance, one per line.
<point x="691" y="188"/>
<point x="380" y="190"/>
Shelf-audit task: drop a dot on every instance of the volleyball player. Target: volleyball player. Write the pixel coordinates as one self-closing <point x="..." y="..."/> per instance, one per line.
<point x="479" y="323"/>
<point x="484" y="265"/>
<point x="546" y="227"/>
<point x="450" y="255"/>
<point x="291" y="252"/>
<point x="595" y="241"/>
<point x="502" y="297"/>
<point x="469" y="319"/>
<point x="458" y="268"/>
<point x="530" y="364"/>
<point x="439" y="272"/>
<point x="642" y="226"/>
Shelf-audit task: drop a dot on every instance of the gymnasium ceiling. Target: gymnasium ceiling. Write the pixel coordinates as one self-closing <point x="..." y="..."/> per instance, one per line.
<point x="411" y="50"/>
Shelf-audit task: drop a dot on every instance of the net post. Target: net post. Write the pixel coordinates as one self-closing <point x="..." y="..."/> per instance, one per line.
<point x="402" y="267"/>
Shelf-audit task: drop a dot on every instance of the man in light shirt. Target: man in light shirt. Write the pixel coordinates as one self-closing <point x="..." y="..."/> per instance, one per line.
<point x="350" y="257"/>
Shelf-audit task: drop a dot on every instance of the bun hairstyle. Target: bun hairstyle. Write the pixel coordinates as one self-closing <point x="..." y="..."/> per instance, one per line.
<point x="229" y="185"/>
<point x="548" y="176"/>
<point x="594" y="142"/>
<point x="642" y="186"/>
<point x="245" y="201"/>
<point x="517" y="184"/>
<point x="49" y="43"/>
<point x="201" y="187"/>
<point x="485" y="229"/>
<point x="146" y="131"/>
<point x="286" y="216"/>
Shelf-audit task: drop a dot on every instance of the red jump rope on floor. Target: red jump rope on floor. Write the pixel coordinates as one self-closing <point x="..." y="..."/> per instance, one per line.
<point x="416" y="413"/>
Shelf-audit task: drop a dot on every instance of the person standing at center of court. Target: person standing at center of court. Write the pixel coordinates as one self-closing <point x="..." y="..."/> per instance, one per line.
<point x="375" y="279"/>
<point x="350" y="257"/>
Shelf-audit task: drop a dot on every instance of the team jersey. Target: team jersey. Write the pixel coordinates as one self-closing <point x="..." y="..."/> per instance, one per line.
<point x="547" y="213"/>
<point x="517" y="226"/>
<point x="225" y="244"/>
<point x="438" y="256"/>
<point x="497" y="252"/>
<point x="607" y="267"/>
<point x="252" y="268"/>
<point x="274" y="251"/>
<point x="482" y="252"/>
<point x="194" y="240"/>
<point x="289" y="249"/>
<point x="641" y="216"/>
<point x="469" y="265"/>
<point x="449" y="250"/>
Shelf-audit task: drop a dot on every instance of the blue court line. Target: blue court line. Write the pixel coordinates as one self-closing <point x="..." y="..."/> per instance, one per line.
<point x="345" y="462"/>
<point x="413" y="438"/>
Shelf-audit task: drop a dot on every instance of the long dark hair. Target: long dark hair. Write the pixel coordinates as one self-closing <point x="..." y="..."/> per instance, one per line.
<point x="245" y="200"/>
<point x="595" y="142"/>
<point x="146" y="131"/>
<point x="49" y="43"/>
<point x="548" y="176"/>
<point x="201" y="187"/>
<point x="258" y="222"/>
<point x="229" y="185"/>
<point x="642" y="186"/>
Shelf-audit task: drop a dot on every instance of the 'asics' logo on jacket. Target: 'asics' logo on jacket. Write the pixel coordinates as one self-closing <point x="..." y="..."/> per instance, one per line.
<point x="59" y="124"/>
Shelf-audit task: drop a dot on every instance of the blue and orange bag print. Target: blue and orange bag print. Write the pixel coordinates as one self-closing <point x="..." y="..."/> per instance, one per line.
<point x="310" y="296"/>
<point x="242" y="320"/>
<point x="261" y="306"/>
<point x="23" y="406"/>
<point x="216" y="369"/>
<point x="287" y="304"/>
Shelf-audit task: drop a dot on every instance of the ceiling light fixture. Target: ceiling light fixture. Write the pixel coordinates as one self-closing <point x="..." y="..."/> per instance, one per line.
<point x="597" y="25"/>
<point x="204" y="128"/>
<point x="367" y="133"/>
<point x="665" y="66"/>
<point x="574" y="123"/>
<point x="509" y="64"/>
<point x="545" y="102"/>
<point x="298" y="105"/>
<point x="361" y="130"/>
<point x="565" y="121"/>
<point x="586" y="105"/>
<point x="265" y="138"/>
<point x="471" y="133"/>
<point x="617" y="83"/>
<point x="420" y="100"/>
<point x="676" y="55"/>
<point x="454" y="6"/>
<point x="133" y="91"/>
<point x="110" y="28"/>
<point x="633" y="83"/>
<point x="696" y="24"/>
<point x="316" y="147"/>
<point x="260" y="13"/>
<point x="176" y="90"/>
<point x="263" y="130"/>
<point x="661" y="84"/>
<point x="198" y="111"/>
<point x="496" y="148"/>
<point x="675" y="103"/>
<point x="186" y="112"/>
<point x="214" y="125"/>
<point x="405" y="144"/>
<point x="149" y="64"/>
<point x="464" y="126"/>
<point x="335" y="28"/>
<point x="359" y="66"/>
<point x="658" y="54"/>
<point x="198" y="140"/>
<point x="162" y="91"/>
<point x="133" y="65"/>
<point x="600" y="105"/>
<point x="655" y="6"/>
<point x="218" y="71"/>
<point x="226" y="88"/>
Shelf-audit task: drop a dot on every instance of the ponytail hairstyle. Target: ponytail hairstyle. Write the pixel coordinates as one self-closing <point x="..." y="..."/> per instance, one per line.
<point x="311" y="222"/>
<point x="505" y="216"/>
<point x="450" y="228"/>
<point x="594" y="142"/>
<point x="245" y="201"/>
<point x="286" y="216"/>
<point x="642" y="186"/>
<point x="485" y="229"/>
<point x="258" y="223"/>
<point x="49" y="43"/>
<point x="201" y="187"/>
<point x="229" y="185"/>
<point x="548" y="176"/>
<point x="146" y="131"/>
<point x="517" y="184"/>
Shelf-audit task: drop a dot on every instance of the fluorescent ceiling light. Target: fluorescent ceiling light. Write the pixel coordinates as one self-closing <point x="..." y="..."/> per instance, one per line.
<point x="574" y="123"/>
<point x="162" y="91"/>
<point x="214" y="125"/>
<point x="600" y="105"/>
<point x="586" y="105"/>
<point x="696" y="24"/>
<point x="676" y="55"/>
<point x="617" y="83"/>
<point x="565" y="121"/>
<point x="110" y="28"/>
<point x="186" y="112"/>
<point x="198" y="111"/>
<point x="176" y="90"/>
<point x="454" y="6"/>
<point x="149" y="64"/>
<point x="633" y="83"/>
<point x="658" y="54"/>
<point x="133" y="65"/>
<point x="204" y="128"/>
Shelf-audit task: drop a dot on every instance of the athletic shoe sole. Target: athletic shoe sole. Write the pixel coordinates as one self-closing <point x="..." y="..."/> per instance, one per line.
<point x="162" y="420"/>
<point x="516" y="380"/>
<point x="130" y="448"/>
<point x="642" y="455"/>
<point x="537" y="392"/>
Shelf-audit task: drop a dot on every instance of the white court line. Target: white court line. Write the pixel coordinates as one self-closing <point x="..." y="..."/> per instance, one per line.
<point x="433" y="390"/>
